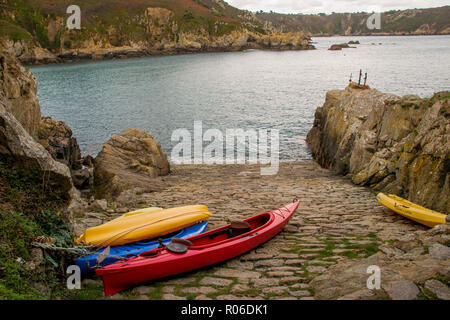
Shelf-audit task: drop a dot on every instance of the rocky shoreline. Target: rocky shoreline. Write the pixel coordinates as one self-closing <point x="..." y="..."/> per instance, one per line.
<point x="399" y="145"/>
<point x="132" y="53"/>
<point x="47" y="57"/>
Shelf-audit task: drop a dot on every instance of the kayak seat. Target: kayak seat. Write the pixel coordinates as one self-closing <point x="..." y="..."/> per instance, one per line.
<point x="238" y="227"/>
<point x="235" y="229"/>
<point x="187" y="243"/>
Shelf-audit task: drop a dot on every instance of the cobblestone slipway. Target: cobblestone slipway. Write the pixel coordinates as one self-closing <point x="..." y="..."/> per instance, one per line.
<point x="337" y="230"/>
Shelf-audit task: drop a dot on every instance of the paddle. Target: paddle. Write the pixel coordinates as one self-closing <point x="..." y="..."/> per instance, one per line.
<point x="102" y="256"/>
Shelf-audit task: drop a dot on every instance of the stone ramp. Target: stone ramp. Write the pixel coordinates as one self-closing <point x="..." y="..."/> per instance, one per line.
<point x="336" y="222"/>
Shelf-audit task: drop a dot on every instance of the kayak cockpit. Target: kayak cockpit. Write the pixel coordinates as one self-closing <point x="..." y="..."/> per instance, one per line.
<point x="233" y="230"/>
<point x="215" y="237"/>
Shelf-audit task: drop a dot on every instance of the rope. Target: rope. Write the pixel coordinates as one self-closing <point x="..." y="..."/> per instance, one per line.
<point x="77" y="250"/>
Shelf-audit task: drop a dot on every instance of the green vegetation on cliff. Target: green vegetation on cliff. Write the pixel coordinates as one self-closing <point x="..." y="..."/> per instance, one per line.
<point x="411" y="21"/>
<point x="13" y="31"/>
<point x="155" y="23"/>
<point x="28" y="209"/>
<point x="118" y="22"/>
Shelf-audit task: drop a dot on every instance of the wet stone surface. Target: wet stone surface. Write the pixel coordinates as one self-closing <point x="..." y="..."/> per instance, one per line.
<point x="336" y="221"/>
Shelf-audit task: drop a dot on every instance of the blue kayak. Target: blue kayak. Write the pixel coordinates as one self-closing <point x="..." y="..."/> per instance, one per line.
<point x="88" y="263"/>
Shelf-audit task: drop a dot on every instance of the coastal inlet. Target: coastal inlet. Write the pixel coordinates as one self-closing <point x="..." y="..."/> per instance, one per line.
<point x="248" y="90"/>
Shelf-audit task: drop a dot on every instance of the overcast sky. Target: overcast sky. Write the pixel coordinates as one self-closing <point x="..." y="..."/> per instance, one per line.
<point x="328" y="6"/>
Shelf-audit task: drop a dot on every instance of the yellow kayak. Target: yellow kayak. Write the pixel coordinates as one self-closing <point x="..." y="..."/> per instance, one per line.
<point x="411" y="210"/>
<point x="144" y="224"/>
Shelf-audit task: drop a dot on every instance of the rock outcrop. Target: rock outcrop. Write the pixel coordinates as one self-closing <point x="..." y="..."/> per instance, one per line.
<point x="341" y="46"/>
<point x="20" y="117"/>
<point x="19" y="86"/>
<point x="128" y="161"/>
<point x="56" y="137"/>
<point x="393" y="144"/>
<point x="58" y="140"/>
<point x="28" y="51"/>
<point x="25" y="153"/>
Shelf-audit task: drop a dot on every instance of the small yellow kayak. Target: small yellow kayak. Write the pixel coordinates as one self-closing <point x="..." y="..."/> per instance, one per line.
<point x="411" y="210"/>
<point x="144" y="224"/>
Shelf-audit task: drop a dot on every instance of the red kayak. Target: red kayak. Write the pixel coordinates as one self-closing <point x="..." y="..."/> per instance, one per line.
<point x="183" y="255"/>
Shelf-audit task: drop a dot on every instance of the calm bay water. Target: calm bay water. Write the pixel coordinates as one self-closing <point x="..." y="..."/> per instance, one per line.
<point x="248" y="90"/>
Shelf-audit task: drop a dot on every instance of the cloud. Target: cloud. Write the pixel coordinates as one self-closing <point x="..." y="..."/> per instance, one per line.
<point x="328" y="6"/>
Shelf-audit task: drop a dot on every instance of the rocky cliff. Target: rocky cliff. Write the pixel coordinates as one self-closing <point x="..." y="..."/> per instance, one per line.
<point x="37" y="32"/>
<point x="37" y="197"/>
<point x="398" y="145"/>
<point x="20" y="117"/>
<point x="430" y="21"/>
<point x="19" y="86"/>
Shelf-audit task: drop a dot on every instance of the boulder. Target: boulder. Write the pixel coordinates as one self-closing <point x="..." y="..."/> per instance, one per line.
<point x="392" y="144"/>
<point x="88" y="161"/>
<point x="56" y="137"/>
<point x="83" y="178"/>
<point x="335" y="47"/>
<point x="339" y="46"/>
<point x="130" y="160"/>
